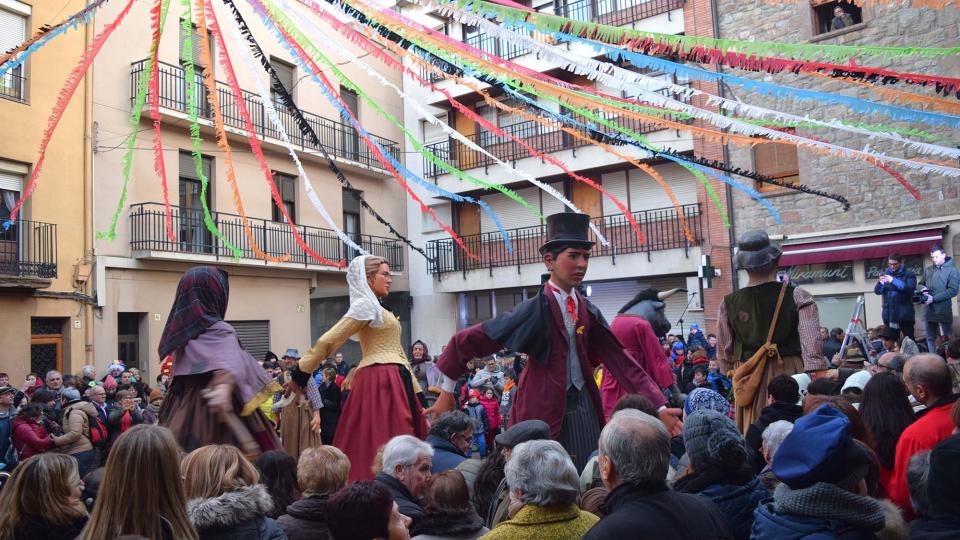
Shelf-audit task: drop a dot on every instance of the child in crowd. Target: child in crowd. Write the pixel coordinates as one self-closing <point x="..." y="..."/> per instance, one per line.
<point x="481" y="422"/>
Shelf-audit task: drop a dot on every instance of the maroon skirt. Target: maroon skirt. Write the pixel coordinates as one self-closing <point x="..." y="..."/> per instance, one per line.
<point x="381" y="406"/>
<point x="185" y="412"/>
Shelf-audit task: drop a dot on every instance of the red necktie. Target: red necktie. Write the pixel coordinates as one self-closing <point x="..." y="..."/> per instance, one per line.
<point x="571" y="305"/>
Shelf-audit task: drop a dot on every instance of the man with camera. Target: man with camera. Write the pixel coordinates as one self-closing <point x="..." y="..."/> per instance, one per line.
<point x="897" y="284"/>
<point x="941" y="283"/>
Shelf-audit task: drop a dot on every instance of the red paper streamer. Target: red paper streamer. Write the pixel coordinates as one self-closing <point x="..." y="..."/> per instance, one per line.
<point x="153" y="99"/>
<point x="63" y="99"/>
<point x="372" y="147"/>
<point x="257" y="150"/>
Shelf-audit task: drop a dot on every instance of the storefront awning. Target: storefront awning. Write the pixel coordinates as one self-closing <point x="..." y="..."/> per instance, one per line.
<point x="864" y="247"/>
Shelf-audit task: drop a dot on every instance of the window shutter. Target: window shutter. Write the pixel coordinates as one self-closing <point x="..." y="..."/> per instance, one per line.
<point x="13" y="29"/>
<point x="11" y="182"/>
<point x="254" y="336"/>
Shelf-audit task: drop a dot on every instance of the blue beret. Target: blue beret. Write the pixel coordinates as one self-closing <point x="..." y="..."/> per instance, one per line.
<point x="816" y="449"/>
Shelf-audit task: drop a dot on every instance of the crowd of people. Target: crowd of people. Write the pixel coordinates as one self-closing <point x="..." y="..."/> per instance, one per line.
<point x="870" y="451"/>
<point x="768" y="429"/>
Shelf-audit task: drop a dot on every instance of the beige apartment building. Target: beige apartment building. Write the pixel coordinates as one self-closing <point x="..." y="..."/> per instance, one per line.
<point x="46" y="316"/>
<point x="273" y="306"/>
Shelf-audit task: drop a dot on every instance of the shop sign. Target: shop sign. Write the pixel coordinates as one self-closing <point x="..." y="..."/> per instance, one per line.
<point x="831" y="272"/>
<point x="874" y="267"/>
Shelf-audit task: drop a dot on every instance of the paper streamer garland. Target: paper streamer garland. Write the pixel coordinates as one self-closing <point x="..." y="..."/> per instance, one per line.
<point x="63" y="99"/>
<point x="267" y="103"/>
<point x="306" y="129"/>
<point x="326" y="88"/>
<point x="19" y="54"/>
<point x="157" y="20"/>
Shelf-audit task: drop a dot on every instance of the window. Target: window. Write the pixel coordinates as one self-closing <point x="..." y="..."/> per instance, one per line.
<point x="13" y="30"/>
<point x="11" y="184"/>
<point x="286" y="73"/>
<point x="194" y="235"/>
<point x="128" y="338"/>
<point x="830" y="15"/>
<point x="778" y="161"/>
<point x="287" y="186"/>
<point x="351" y="218"/>
<point x="350" y="140"/>
<point x="193" y="39"/>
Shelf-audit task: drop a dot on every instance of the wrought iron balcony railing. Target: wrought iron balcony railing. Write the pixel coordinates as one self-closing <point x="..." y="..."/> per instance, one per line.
<point x="13" y="85"/>
<point x="29" y="249"/>
<point x="148" y="233"/>
<point x="614" y="12"/>
<point x="339" y="139"/>
<point x="661" y="227"/>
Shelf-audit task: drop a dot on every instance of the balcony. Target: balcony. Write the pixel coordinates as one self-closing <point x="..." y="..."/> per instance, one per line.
<point x="339" y="139"/>
<point x="614" y="12"/>
<point x="662" y="230"/>
<point x="148" y="234"/>
<point x="13" y="86"/>
<point x="28" y="255"/>
<point x="542" y="138"/>
<point x="496" y="46"/>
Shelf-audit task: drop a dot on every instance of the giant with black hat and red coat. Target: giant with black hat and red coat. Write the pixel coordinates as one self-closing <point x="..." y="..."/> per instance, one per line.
<point x="566" y="338"/>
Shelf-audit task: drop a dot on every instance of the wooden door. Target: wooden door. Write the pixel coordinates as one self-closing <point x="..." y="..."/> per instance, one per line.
<point x="468" y="219"/>
<point x="46" y="353"/>
<point x="587" y="198"/>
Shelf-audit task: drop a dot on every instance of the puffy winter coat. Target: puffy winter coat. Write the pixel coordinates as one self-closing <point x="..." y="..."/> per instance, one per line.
<point x="235" y="515"/>
<point x="896" y="296"/>
<point x="492" y="406"/>
<point x="76" y="428"/>
<point x="446" y="456"/>
<point x="30" y="438"/>
<point x="306" y="519"/>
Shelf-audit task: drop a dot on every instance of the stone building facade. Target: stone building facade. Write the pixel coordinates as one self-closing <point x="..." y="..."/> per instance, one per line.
<point x="884" y="217"/>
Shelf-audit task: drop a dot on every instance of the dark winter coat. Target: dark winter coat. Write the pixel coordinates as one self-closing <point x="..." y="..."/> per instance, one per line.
<point x="330" y="413"/>
<point x="409" y="506"/>
<point x="446" y="456"/>
<point x="478" y="413"/>
<point x="736" y="495"/>
<point x="697" y="340"/>
<point x="465" y="525"/>
<point x="896" y="296"/>
<point x="640" y="513"/>
<point x="306" y="519"/>
<point x="770" y="414"/>
<point x="935" y="529"/>
<point x="235" y="515"/>
<point x="944" y="284"/>
<point x="32" y="528"/>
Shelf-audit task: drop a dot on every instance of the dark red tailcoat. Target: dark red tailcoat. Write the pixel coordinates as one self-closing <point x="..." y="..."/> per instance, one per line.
<point x="542" y="389"/>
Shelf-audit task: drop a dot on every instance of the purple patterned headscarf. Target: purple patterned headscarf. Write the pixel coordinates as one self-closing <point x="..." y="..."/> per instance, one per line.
<point x="200" y="302"/>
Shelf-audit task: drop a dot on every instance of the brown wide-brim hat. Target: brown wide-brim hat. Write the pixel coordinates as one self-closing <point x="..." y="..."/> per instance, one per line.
<point x="754" y="250"/>
<point x="567" y="229"/>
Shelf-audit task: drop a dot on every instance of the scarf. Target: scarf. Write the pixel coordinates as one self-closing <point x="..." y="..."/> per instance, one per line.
<point x="827" y="501"/>
<point x="200" y="302"/>
<point x="126" y="422"/>
<point x="364" y="305"/>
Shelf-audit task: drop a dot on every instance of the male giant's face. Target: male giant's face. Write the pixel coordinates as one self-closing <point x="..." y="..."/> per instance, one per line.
<point x="569" y="267"/>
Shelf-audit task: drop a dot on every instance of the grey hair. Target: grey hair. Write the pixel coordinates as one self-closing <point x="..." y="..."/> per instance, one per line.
<point x="543" y="473"/>
<point x="918" y="474"/>
<point x="404" y="450"/>
<point x="774" y="435"/>
<point x="638" y="446"/>
<point x="450" y="423"/>
<point x="88" y="371"/>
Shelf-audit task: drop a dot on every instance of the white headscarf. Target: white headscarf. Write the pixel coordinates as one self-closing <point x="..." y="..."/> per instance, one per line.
<point x="364" y="305"/>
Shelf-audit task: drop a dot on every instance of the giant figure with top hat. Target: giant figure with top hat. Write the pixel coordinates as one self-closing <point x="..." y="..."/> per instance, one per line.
<point x="566" y="338"/>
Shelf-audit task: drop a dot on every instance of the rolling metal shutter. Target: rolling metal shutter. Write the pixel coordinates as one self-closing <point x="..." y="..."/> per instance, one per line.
<point x="610" y="296"/>
<point x="254" y="336"/>
<point x="511" y="213"/>
<point x="13" y="28"/>
<point x="550" y="205"/>
<point x="616" y="184"/>
<point x="646" y="193"/>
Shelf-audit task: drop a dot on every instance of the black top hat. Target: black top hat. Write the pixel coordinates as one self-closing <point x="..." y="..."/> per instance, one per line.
<point x="754" y="250"/>
<point x="567" y="229"/>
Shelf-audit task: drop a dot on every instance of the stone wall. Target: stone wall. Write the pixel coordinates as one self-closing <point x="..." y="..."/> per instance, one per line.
<point x="875" y="196"/>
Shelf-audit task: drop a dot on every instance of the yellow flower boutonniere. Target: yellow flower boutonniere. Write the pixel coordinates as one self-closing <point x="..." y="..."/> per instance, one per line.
<point x="580" y="330"/>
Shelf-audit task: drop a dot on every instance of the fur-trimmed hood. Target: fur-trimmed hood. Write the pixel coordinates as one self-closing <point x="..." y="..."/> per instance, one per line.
<point x="230" y="509"/>
<point x="894" y="526"/>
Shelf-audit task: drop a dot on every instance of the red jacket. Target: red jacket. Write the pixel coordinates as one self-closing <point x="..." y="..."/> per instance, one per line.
<point x="933" y="426"/>
<point x="541" y="390"/>
<point x="30" y="438"/>
<point x="492" y="407"/>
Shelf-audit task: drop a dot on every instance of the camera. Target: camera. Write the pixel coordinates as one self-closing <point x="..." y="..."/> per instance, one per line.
<point x="921" y="297"/>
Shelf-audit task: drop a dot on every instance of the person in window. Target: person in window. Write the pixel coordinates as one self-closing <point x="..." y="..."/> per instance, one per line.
<point x="841" y="19"/>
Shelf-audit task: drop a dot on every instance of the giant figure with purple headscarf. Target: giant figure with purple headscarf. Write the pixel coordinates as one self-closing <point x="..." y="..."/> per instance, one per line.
<point x="217" y="386"/>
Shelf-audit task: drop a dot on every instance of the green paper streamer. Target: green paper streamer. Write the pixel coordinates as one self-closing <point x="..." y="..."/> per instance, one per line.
<point x="710" y="191"/>
<point x="291" y="29"/>
<point x="193" y="115"/>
